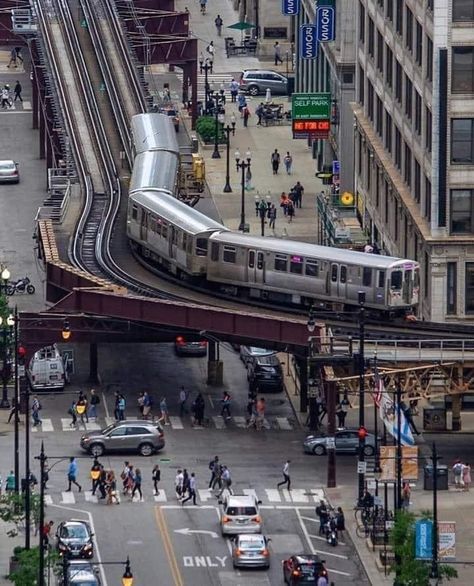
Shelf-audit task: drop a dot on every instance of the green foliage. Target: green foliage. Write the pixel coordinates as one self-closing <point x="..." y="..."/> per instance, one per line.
<point x="28" y="565"/>
<point x="410" y="571"/>
<point x="12" y="510"/>
<point x="206" y="128"/>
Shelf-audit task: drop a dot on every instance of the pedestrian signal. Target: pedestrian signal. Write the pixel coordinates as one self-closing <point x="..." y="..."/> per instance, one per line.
<point x="347" y="199"/>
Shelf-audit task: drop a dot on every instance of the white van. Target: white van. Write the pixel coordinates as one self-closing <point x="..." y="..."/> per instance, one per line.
<point x="46" y="370"/>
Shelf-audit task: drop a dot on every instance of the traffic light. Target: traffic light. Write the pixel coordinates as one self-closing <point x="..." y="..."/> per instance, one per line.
<point x="21" y="355"/>
<point x="362" y="433"/>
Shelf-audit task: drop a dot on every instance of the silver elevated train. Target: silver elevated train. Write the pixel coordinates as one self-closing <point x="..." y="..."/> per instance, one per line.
<point x="170" y="234"/>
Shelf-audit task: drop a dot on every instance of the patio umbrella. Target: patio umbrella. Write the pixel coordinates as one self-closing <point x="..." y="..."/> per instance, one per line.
<point x="241" y="26"/>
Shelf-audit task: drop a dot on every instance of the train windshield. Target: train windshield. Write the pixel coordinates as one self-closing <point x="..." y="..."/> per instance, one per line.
<point x="396" y="280"/>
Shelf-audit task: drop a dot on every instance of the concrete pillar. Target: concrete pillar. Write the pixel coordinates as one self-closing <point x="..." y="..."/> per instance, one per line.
<point x="456" y="403"/>
<point x="94" y="378"/>
<point x="215" y="366"/>
<point x="303" y="374"/>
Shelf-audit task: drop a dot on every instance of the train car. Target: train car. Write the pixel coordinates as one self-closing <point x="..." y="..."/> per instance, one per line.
<point x="292" y="272"/>
<point x="155" y="171"/>
<point x="153" y="132"/>
<point x="169" y="233"/>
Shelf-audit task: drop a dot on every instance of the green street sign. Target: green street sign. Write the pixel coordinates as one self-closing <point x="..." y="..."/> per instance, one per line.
<point x="311" y="106"/>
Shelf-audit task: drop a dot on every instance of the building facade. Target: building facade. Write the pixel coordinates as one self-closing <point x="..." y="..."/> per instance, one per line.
<point x="414" y="142"/>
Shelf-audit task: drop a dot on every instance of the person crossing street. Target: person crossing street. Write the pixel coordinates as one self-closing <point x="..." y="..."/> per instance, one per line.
<point x="286" y="476"/>
<point x="72" y="474"/>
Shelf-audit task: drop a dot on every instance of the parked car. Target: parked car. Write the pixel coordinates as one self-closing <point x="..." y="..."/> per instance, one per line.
<point x="144" y="437"/>
<point x="264" y="373"/>
<point x="240" y="514"/>
<point x="257" y="81"/>
<point x="74" y="539"/>
<point x="9" y="172"/>
<point x="173" y="113"/>
<point x="249" y="352"/>
<point x="46" y="370"/>
<point x="346" y="441"/>
<point x="185" y="347"/>
<point x="303" y="569"/>
<point x="80" y="573"/>
<point x="250" y="551"/>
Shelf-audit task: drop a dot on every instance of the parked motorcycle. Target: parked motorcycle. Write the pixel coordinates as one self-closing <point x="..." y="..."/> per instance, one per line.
<point x="21" y="286"/>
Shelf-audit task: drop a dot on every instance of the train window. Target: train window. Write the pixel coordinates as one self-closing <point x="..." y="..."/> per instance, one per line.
<point x="190" y="245"/>
<point x="152" y="224"/>
<point x="281" y="262"/>
<point x="343" y="277"/>
<point x="144" y="218"/>
<point x="215" y="251"/>
<point x="201" y="247"/>
<point x="381" y="283"/>
<point x="296" y="265"/>
<point x="251" y="259"/>
<point x="174" y="235"/>
<point x="367" y="277"/>
<point x="134" y="212"/>
<point x="230" y="254"/>
<point x="260" y="260"/>
<point x="164" y="230"/>
<point x="185" y="241"/>
<point x="158" y="226"/>
<point x="396" y="280"/>
<point x="334" y="273"/>
<point x="311" y="268"/>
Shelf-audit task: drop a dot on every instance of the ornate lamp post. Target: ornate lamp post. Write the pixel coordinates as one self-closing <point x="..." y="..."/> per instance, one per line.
<point x="243" y="166"/>
<point x="228" y="129"/>
<point x="6" y="323"/>
<point x="219" y="118"/>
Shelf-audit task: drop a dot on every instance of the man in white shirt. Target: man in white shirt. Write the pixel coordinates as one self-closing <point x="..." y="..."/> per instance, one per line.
<point x="192" y="489"/>
<point x="286" y="476"/>
<point x="178" y="484"/>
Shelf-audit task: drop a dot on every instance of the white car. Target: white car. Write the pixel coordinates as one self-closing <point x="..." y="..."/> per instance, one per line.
<point x="9" y="172"/>
<point x="240" y="514"/>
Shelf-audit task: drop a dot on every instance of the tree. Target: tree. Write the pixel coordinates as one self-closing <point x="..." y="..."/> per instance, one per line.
<point x="26" y="573"/>
<point x="12" y="510"/>
<point x="410" y="571"/>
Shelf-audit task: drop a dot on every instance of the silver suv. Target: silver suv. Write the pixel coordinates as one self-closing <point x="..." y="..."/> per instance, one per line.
<point x="257" y="81"/>
<point x="144" y="437"/>
<point x="240" y="514"/>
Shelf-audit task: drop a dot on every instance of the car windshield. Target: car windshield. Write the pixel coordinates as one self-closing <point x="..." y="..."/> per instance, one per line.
<point x="246" y="511"/>
<point x="109" y="428"/>
<point x="7" y="166"/>
<point x="251" y="544"/>
<point x="259" y="351"/>
<point x="74" y="532"/>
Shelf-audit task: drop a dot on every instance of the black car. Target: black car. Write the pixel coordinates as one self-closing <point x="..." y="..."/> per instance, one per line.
<point x="303" y="569"/>
<point x="74" y="539"/>
<point x="264" y="373"/>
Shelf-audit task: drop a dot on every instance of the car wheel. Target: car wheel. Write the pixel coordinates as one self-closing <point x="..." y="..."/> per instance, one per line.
<point x="369" y="450"/>
<point x="96" y="450"/>
<point x="319" y="450"/>
<point x="146" y="450"/>
<point x="253" y="90"/>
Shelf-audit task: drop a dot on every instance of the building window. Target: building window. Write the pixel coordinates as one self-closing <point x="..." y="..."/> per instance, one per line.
<point x="361" y="86"/>
<point x="361" y="23"/>
<point x="388" y="66"/>
<point x="417" y="184"/>
<point x="463" y="10"/>
<point x="388" y="132"/>
<point x="430" y="4"/>
<point x="379" y="116"/>
<point x="419" y="44"/>
<point x="408" y="97"/>
<point x="398" y="81"/>
<point x="462" y="140"/>
<point x="428" y="129"/>
<point x="461" y="211"/>
<point x="407" y="169"/>
<point x="418" y="103"/>
<point x="371" y="38"/>
<point x="451" y="287"/>
<point x="377" y="187"/>
<point x="409" y="29"/>
<point x="399" y="17"/>
<point x="427" y="199"/>
<point x="381" y="4"/>
<point x="380" y="44"/>
<point x="370" y="100"/>
<point x="398" y="148"/>
<point x="462" y="81"/>
<point x="469" y="304"/>
<point x="429" y="59"/>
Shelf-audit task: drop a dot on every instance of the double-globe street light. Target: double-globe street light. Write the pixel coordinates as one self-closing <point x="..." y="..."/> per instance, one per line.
<point x="7" y="324"/>
<point x="206" y="66"/>
<point x="243" y="165"/>
<point x="230" y="128"/>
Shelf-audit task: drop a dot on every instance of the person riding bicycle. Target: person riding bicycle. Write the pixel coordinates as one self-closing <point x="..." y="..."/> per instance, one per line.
<point x="367" y="501"/>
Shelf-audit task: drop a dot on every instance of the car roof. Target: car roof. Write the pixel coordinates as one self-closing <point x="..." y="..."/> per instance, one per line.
<point x="134" y="422"/>
<point x="249" y="537"/>
<point x="9" y="161"/>
<point x="241" y="500"/>
<point x="75" y="522"/>
<point x="262" y="71"/>
<point x="305" y="558"/>
<point x="267" y="359"/>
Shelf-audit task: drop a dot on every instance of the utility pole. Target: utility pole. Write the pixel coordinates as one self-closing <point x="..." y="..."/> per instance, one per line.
<point x="399" y="446"/>
<point x="434" y="560"/>
<point x="361" y="364"/>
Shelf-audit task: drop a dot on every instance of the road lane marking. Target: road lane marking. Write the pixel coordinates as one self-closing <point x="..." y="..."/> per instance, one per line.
<point x="68" y="498"/>
<point x="92" y="426"/>
<point x="47" y="425"/>
<point x="219" y="422"/>
<point x="299" y="495"/>
<point x="106" y="407"/>
<point x="240" y="421"/>
<point x="48" y="499"/>
<point x="310" y="519"/>
<point x="66" y="424"/>
<point x="284" y="424"/>
<point x="322" y="538"/>
<point x="161" y="497"/>
<point x="176" y="422"/>
<point x="336" y="555"/>
<point x="168" y="546"/>
<point x="273" y="495"/>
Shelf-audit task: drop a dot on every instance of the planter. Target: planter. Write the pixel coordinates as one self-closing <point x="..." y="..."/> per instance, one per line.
<point x="14" y="565"/>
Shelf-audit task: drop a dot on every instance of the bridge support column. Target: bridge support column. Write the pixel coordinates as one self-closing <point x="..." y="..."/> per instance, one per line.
<point x="302" y="364"/>
<point x="215" y="366"/>
<point x="94" y="378"/>
<point x="456" y="403"/>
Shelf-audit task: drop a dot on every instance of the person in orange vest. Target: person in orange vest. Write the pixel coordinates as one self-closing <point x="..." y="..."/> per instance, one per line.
<point x="284" y="202"/>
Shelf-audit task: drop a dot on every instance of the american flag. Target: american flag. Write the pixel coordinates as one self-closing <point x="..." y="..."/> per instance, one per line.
<point x="378" y="386"/>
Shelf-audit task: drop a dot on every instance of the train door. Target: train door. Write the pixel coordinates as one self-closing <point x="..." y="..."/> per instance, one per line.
<point x="255" y="266"/>
<point x="407" y="287"/>
<point x="172" y="240"/>
<point x="337" y="281"/>
<point x="143" y="225"/>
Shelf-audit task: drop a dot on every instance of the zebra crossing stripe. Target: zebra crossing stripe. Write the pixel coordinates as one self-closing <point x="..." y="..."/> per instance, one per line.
<point x="240" y="421"/>
<point x="218" y="422"/>
<point x="299" y="495"/>
<point x="47" y="425"/>
<point x="90" y="498"/>
<point x="66" y="424"/>
<point x="250" y="492"/>
<point x="266" y="424"/>
<point x="176" y="422"/>
<point x="273" y="495"/>
<point x="204" y="494"/>
<point x="48" y="499"/>
<point x="284" y="424"/>
<point x="92" y="426"/>
<point x="161" y="497"/>
<point x="68" y="498"/>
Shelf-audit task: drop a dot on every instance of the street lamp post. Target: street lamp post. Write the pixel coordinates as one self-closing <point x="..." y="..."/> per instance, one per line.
<point x="243" y="166"/>
<point x="6" y="323"/>
<point x="27" y="469"/>
<point x="434" y="556"/>
<point x="17" y="404"/>
<point x="310" y="383"/>
<point x="361" y="365"/>
<point x="218" y="118"/>
<point x="206" y="67"/>
<point x="228" y="129"/>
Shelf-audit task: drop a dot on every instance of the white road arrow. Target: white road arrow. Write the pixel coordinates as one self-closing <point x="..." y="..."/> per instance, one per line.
<point x="187" y="531"/>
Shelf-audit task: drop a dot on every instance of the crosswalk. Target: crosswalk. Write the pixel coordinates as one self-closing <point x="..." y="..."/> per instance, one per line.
<point x="216" y="81"/>
<point x="268" y="496"/>
<point x="63" y="424"/>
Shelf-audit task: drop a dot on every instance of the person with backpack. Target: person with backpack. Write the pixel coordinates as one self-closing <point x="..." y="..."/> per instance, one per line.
<point x="214" y="467"/>
<point x="191" y="490"/>
<point x="198" y="409"/>
<point x="96" y="470"/>
<point x="147" y="405"/>
<point x="35" y="409"/>
<point x="137" y="485"/>
<point x="156" y="477"/>
<point x="234" y="90"/>
<point x="225" y="402"/>
<point x="94" y="401"/>
<point x="164" y="417"/>
<point x="288" y="160"/>
<point x="323" y="514"/>
<point x="72" y="412"/>
<point x="457" y="472"/>
<point x="218" y="22"/>
<point x="259" y="111"/>
<point x="275" y="160"/>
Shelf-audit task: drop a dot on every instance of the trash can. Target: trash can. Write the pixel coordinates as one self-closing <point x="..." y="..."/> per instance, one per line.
<point x="442" y="477"/>
<point x="434" y="419"/>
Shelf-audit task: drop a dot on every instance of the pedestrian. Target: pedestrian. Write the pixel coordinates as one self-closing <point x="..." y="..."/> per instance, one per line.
<point x="277" y="53"/>
<point x="225" y="402"/>
<point x="234" y="90"/>
<point x="72" y="412"/>
<point x="290" y="211"/>
<point x="137" y="485"/>
<point x="260" y="413"/>
<point x="299" y="190"/>
<point x="284" y="202"/>
<point x="210" y="62"/>
<point x="147" y="405"/>
<point x="368" y="248"/>
<point x="156" y="477"/>
<point x="218" y="22"/>
<point x="275" y="160"/>
<point x="322" y="513"/>
<point x="185" y="481"/>
<point x="45" y="474"/>
<point x="288" y="160"/>
<point x="246" y="115"/>
<point x="19" y="56"/>
<point x="6" y="103"/>
<point x="286" y="476"/>
<point x="272" y="214"/>
<point x="226" y="481"/>
<point x="183" y="397"/>
<point x="203" y="6"/>
<point x="340" y="520"/>
<point x="259" y="111"/>
<point x="198" y="410"/>
<point x="35" y="409"/>
<point x="94" y="401"/>
<point x="241" y="102"/>
<point x="466" y="476"/>
<point x="13" y="57"/>
<point x="121" y="407"/>
<point x="81" y="408"/>
<point x="46" y="532"/>
<point x="12" y="409"/>
<point x="17" y="90"/>
<point x="96" y="470"/>
<point x="125" y="476"/>
<point x="102" y="484"/>
<point x="341" y="411"/>
<point x="192" y="490"/>
<point x="116" y="405"/>
<point x="210" y="49"/>
<point x="178" y="483"/>
<point x="406" y="493"/>
<point x="322" y="580"/>
<point x="214" y="467"/>
<point x="111" y="488"/>
<point x="72" y="474"/>
<point x="164" y="412"/>
<point x="10" y="482"/>
<point x="140" y="401"/>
